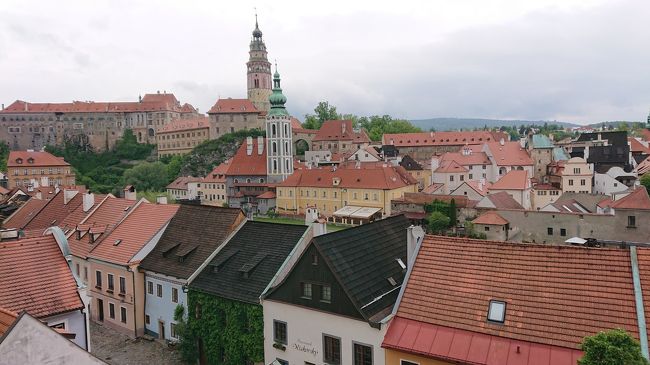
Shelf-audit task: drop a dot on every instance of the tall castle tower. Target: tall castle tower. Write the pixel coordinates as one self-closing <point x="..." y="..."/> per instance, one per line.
<point x="279" y="149"/>
<point x="259" y="72"/>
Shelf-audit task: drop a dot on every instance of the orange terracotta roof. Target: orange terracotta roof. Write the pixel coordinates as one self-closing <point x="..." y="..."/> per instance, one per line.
<point x="188" y="108"/>
<point x="432" y="188"/>
<point x="244" y="164"/>
<point x="636" y="146"/>
<point x="76" y="216"/>
<point x="643" y="167"/>
<point x="476" y="186"/>
<point x="4" y="191"/>
<point x="340" y="130"/>
<point x="35" y="277"/>
<point x="179" y="125"/>
<point x="55" y="211"/>
<point x="513" y="180"/>
<point x="295" y="123"/>
<point x="31" y="159"/>
<point x="645" y="134"/>
<point x="450" y="166"/>
<point x="133" y="232"/>
<point x="503" y="200"/>
<point x="7" y="318"/>
<point x="233" y="106"/>
<point x="218" y="174"/>
<point x="21" y="107"/>
<point x="423" y="139"/>
<point x="368" y="176"/>
<point x="267" y="195"/>
<point x="510" y="154"/>
<point x="638" y="199"/>
<point x="168" y="98"/>
<point x="473" y="158"/>
<point x="490" y="217"/>
<point x="107" y="214"/>
<point x="25" y="213"/>
<point x="550" y="292"/>
<point x="181" y="182"/>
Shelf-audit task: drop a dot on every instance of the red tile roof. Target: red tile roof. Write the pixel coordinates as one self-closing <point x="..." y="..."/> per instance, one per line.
<point x="450" y="166"/>
<point x="267" y="195"/>
<point x="340" y="130"/>
<point x="133" y="232"/>
<point x="160" y="98"/>
<point x="460" y="346"/>
<point x="188" y="108"/>
<point x="25" y="213"/>
<point x="643" y="167"/>
<point x="509" y="154"/>
<point x="513" y="180"/>
<point x="636" y="146"/>
<point x="218" y="174"/>
<point x="76" y="216"/>
<point x="233" y="106"/>
<point x="473" y="158"/>
<point x="550" y="292"/>
<point x="476" y="186"/>
<point x="432" y="188"/>
<point x="34" y="276"/>
<point x="30" y="159"/>
<point x="244" y="164"/>
<point x="179" y="125"/>
<point x="7" y="318"/>
<point x="638" y="199"/>
<point x="645" y="134"/>
<point x="503" y="200"/>
<point x="437" y="138"/>
<point x="492" y="218"/>
<point x="181" y="182"/>
<point x="88" y="107"/>
<point x="105" y="216"/>
<point x="368" y="176"/>
<point x="55" y="211"/>
<point x="295" y="123"/>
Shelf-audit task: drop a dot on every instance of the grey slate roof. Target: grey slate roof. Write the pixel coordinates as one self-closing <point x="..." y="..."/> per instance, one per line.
<point x="259" y="249"/>
<point x="364" y="257"/>
<point x="541" y="141"/>
<point x="192" y="235"/>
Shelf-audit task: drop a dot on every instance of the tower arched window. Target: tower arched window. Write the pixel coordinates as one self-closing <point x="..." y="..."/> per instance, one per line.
<point x="257" y="83"/>
<point x="286" y="130"/>
<point x="273" y="131"/>
<point x="286" y="163"/>
<point x="275" y="148"/>
<point x="286" y="148"/>
<point x="275" y="166"/>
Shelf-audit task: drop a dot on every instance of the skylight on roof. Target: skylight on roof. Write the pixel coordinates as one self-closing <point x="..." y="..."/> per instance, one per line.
<point x="401" y="263"/>
<point x="497" y="311"/>
<point x="117" y="242"/>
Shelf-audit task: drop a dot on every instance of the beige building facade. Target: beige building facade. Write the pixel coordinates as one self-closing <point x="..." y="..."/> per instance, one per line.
<point x="181" y="136"/>
<point x="33" y="169"/>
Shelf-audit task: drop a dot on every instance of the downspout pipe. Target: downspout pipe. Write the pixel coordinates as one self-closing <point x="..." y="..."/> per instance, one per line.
<point x="638" y="298"/>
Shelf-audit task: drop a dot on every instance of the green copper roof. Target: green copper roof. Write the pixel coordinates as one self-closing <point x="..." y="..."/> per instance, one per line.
<point x="277" y="99"/>
<point x="559" y="154"/>
<point x="541" y="141"/>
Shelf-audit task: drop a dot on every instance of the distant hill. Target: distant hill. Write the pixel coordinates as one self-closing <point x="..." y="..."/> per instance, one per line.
<point x="444" y="124"/>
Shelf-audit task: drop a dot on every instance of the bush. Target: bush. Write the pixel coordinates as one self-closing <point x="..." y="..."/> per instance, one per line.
<point x="613" y="347"/>
<point x="438" y="222"/>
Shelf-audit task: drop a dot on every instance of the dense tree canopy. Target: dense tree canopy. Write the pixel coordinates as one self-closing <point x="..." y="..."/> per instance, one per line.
<point x="147" y="176"/>
<point x="614" y="347"/>
<point x="323" y="111"/>
<point x="645" y="181"/>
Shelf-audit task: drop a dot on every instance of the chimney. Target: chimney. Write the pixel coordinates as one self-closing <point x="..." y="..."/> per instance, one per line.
<point x="318" y="225"/>
<point x="414" y="235"/>
<point x="3" y="106"/>
<point x="56" y="189"/>
<point x="130" y="193"/>
<point x="260" y="145"/>
<point x="161" y="199"/>
<point x="68" y="194"/>
<point x="249" y="146"/>
<point x="25" y="106"/>
<point x="502" y="141"/>
<point x="88" y="201"/>
<point x="435" y="163"/>
<point x="481" y="184"/>
<point x="343" y="128"/>
<point x="39" y="195"/>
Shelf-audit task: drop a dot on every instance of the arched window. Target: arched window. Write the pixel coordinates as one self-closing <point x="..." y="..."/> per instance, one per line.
<point x="286" y="148"/>
<point x="273" y="131"/>
<point x="502" y="171"/>
<point x="248" y="180"/>
<point x="286" y="130"/>
<point x="275" y="166"/>
<point x="287" y="165"/>
<point x="275" y="148"/>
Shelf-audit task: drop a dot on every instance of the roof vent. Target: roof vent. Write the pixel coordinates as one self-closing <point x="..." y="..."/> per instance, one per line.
<point x="117" y="242"/>
<point x="391" y="281"/>
<point x="401" y="263"/>
<point x="497" y="311"/>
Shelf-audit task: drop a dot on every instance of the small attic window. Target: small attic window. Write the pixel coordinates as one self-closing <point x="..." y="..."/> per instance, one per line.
<point x="30" y="160"/>
<point x="19" y="160"/>
<point x="117" y="242"/>
<point x="391" y="281"/>
<point x="497" y="311"/>
<point x="401" y="263"/>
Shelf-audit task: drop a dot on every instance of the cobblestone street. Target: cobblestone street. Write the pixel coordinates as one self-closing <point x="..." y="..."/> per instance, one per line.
<point x="118" y="349"/>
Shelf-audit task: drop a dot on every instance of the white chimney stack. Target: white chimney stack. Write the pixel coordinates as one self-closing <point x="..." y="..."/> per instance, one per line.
<point x="414" y="235"/>
<point x="68" y="194"/>
<point x="249" y="146"/>
<point x="130" y="193"/>
<point x="502" y="141"/>
<point x="260" y="145"/>
<point x="161" y="199"/>
<point x="88" y="201"/>
<point x="312" y="220"/>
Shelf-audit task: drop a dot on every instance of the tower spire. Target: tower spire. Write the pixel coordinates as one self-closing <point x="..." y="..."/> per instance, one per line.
<point x="277" y="99"/>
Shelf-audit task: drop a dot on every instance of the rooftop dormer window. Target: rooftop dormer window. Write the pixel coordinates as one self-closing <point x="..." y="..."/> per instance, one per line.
<point x="30" y="160"/>
<point x="19" y="161"/>
<point x="497" y="311"/>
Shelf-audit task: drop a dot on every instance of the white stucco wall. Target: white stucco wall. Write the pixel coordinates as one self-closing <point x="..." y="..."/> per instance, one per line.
<point x="305" y="329"/>
<point x="75" y="322"/>
<point x="162" y="308"/>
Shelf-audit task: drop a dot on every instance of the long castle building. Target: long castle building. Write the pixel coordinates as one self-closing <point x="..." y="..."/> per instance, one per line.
<point x="25" y="125"/>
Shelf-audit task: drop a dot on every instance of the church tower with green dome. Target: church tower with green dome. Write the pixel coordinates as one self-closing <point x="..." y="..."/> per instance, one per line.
<point x="279" y="146"/>
<point x="258" y="72"/>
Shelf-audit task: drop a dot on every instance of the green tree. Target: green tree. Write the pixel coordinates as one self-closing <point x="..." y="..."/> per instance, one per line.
<point x="147" y="176"/>
<point x="452" y="213"/>
<point x="645" y="181"/>
<point x="174" y="165"/>
<point x="4" y="156"/>
<point x="613" y="347"/>
<point x="323" y="111"/>
<point x="438" y="222"/>
<point x="186" y="343"/>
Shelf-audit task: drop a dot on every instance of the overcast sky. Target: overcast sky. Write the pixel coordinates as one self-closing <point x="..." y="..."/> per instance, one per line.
<point x="571" y="60"/>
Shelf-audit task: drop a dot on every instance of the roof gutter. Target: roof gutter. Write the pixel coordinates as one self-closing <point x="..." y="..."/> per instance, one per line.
<point x="638" y="297"/>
